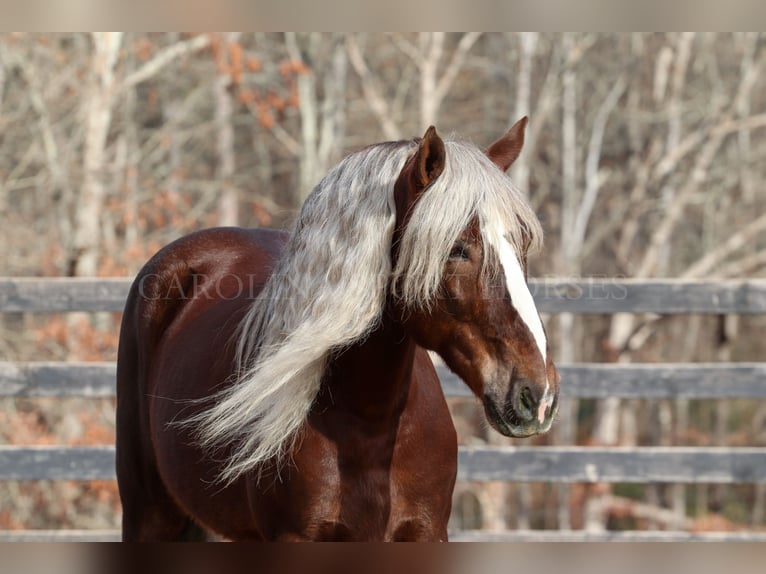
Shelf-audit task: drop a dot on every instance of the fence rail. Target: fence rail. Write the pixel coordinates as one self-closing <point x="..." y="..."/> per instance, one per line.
<point x="454" y="536"/>
<point x="520" y="464"/>
<point x="565" y="464"/>
<point x="583" y="380"/>
<point x="586" y="296"/>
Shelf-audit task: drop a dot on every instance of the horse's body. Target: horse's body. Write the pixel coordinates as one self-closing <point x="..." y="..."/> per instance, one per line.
<point x="373" y="455"/>
<point x="309" y="504"/>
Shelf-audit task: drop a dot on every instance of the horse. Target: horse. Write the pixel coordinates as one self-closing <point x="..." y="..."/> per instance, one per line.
<point x="278" y="386"/>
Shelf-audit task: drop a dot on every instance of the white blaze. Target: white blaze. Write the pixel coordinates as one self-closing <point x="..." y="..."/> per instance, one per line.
<point x="520" y="295"/>
<point x="524" y="303"/>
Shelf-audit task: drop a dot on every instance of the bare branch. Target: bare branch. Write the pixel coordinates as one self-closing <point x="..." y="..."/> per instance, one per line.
<point x="592" y="174"/>
<point x="284" y="137"/>
<point x="546" y="102"/>
<point x="730" y="126"/>
<point x="673" y="156"/>
<point x="698" y="175"/>
<point x="661" y="73"/>
<point x="568" y="154"/>
<point x="455" y="64"/>
<point x="747" y="265"/>
<point x="736" y="241"/>
<point x="749" y="70"/>
<point x="53" y="160"/>
<point x="372" y="91"/>
<point x="673" y="212"/>
<point x="164" y="58"/>
<point x="678" y="81"/>
<point x="407" y="48"/>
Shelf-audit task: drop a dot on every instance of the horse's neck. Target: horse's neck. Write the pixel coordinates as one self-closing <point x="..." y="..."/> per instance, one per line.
<point x="371" y="379"/>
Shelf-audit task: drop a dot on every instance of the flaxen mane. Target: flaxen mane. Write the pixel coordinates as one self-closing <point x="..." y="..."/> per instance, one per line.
<point x="330" y="286"/>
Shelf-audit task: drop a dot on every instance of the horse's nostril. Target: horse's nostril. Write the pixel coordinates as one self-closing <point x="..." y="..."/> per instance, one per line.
<point x="527" y="402"/>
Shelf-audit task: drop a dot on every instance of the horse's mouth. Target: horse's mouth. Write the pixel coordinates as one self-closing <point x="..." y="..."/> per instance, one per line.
<point x="512" y="426"/>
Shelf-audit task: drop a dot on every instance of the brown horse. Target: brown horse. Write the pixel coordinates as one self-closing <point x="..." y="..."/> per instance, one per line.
<point x="275" y="386"/>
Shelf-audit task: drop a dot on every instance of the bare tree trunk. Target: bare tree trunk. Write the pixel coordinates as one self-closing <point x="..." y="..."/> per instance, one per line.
<point x="566" y="426"/>
<point x="683" y="50"/>
<point x="435" y="86"/>
<point x="130" y="183"/>
<point x="228" y="204"/>
<point x="690" y="331"/>
<point x="567" y="417"/>
<point x="494" y="502"/>
<point x="546" y="108"/>
<point x="307" y="104"/>
<point x="432" y="48"/>
<point x="2" y="83"/>
<point x="728" y="328"/>
<point x="3" y="195"/>
<point x="749" y="72"/>
<point x="89" y="213"/>
<point x="678" y="492"/>
<point x="372" y="91"/>
<point x="321" y="129"/>
<point x="759" y="504"/>
<point x="264" y="168"/>
<point x="333" y="128"/>
<point x="522" y="106"/>
<point x="98" y="110"/>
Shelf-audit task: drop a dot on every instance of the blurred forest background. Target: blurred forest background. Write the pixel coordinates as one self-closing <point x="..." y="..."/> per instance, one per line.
<point x="645" y="157"/>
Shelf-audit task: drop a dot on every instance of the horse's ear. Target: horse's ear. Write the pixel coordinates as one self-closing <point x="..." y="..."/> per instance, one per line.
<point x="429" y="159"/>
<point x="421" y="170"/>
<point x="505" y="150"/>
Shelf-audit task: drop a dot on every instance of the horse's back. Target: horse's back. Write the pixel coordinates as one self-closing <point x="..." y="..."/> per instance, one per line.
<point x="212" y="253"/>
<point x="194" y="269"/>
<point x="216" y="271"/>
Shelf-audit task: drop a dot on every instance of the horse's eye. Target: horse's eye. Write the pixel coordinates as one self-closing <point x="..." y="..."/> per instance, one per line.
<point x="459" y="251"/>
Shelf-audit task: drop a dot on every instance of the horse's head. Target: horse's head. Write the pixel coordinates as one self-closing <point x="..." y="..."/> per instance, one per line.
<point x="474" y="308"/>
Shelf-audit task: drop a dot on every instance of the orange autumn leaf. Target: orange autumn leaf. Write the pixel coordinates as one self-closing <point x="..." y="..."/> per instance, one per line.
<point x="254" y="64"/>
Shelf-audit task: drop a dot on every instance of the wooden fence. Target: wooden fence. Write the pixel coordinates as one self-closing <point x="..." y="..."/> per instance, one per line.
<point x="543" y="464"/>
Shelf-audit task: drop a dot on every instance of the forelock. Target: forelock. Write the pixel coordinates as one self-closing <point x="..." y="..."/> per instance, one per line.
<point x="471" y="187"/>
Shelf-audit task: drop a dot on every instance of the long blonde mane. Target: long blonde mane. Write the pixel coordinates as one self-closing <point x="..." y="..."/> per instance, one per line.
<point x="329" y="288"/>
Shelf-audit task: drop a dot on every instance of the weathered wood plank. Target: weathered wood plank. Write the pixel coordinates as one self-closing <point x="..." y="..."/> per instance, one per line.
<point x="669" y="380"/>
<point x="519" y="464"/>
<point x="56" y="463"/>
<point x="584" y="295"/>
<point x="455" y="536"/>
<point x="662" y="296"/>
<point x="582" y="380"/>
<point x="613" y="464"/>
<point x="56" y="379"/>
<point x="60" y="536"/>
<point x="63" y="294"/>
<point x="608" y="536"/>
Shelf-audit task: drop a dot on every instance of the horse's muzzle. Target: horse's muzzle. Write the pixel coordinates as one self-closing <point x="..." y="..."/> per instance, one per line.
<point x="528" y="410"/>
